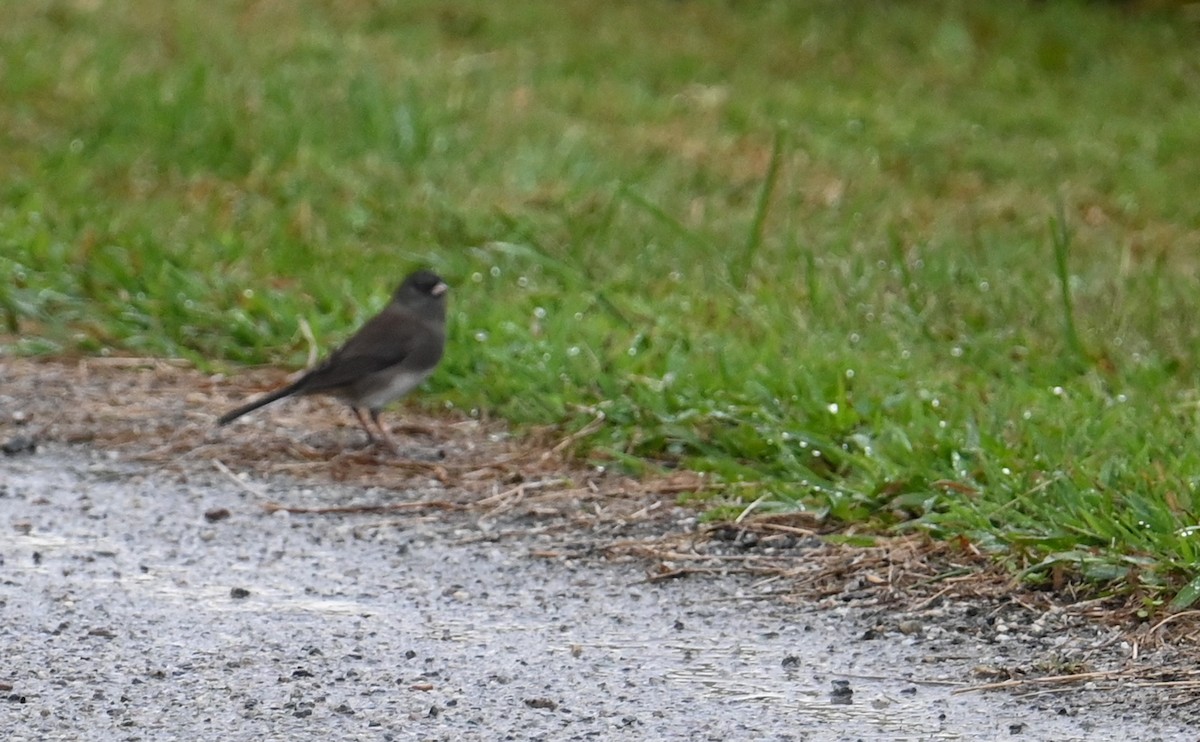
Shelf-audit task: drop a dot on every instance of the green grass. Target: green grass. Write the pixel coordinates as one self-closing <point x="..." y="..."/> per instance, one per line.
<point x="913" y="265"/>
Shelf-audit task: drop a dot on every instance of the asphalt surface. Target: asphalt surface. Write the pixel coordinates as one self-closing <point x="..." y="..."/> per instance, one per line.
<point x="128" y="614"/>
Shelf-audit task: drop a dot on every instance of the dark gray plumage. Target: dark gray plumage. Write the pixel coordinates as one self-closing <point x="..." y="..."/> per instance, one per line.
<point x="387" y="358"/>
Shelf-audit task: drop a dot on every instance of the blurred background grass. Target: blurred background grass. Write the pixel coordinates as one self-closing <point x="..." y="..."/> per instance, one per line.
<point x="912" y="265"/>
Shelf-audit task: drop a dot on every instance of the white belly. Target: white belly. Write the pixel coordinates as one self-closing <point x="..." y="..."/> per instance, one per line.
<point x="382" y="389"/>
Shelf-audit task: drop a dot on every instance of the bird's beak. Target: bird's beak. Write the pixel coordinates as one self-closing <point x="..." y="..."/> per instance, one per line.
<point x="439" y="288"/>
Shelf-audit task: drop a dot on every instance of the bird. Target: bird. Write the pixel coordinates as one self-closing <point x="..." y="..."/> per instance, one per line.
<point x="386" y="359"/>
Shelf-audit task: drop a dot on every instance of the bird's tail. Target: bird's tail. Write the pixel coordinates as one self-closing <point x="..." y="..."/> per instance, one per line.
<point x="232" y="415"/>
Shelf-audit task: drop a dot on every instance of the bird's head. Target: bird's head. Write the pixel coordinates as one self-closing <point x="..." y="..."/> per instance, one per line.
<point x="422" y="287"/>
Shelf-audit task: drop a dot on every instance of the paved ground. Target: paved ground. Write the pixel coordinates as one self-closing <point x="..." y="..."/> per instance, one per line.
<point x="130" y="615"/>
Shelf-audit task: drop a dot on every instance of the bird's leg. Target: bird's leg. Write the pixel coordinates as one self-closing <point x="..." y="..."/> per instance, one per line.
<point x="387" y="437"/>
<point x="363" y="421"/>
<point x="383" y="431"/>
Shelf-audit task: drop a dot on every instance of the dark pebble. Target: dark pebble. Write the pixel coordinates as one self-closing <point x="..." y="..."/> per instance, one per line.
<point x="541" y="703"/>
<point x="18" y="444"/>
<point x="842" y="694"/>
<point x="791" y="661"/>
<point x="216" y="514"/>
<point x="1016" y="728"/>
<point x="725" y="533"/>
<point x="238" y="593"/>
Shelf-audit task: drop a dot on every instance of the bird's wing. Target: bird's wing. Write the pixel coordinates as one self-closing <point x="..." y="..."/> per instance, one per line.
<point x="394" y="337"/>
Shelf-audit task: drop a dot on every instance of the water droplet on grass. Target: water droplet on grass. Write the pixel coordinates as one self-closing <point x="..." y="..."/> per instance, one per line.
<point x="495" y="271"/>
<point x="832" y="407"/>
<point x="540" y="313"/>
<point x="481" y="336"/>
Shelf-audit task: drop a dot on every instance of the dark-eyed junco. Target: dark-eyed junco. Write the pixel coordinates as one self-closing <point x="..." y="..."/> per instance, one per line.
<point x="393" y="352"/>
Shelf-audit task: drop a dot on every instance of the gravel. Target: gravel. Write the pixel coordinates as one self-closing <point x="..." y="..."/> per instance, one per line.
<point x="143" y="604"/>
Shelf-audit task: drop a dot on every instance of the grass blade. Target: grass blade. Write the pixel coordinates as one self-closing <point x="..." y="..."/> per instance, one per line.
<point x="741" y="268"/>
<point x="1060" y="236"/>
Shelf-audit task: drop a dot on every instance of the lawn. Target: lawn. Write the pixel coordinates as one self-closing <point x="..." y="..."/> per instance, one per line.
<point x="924" y="266"/>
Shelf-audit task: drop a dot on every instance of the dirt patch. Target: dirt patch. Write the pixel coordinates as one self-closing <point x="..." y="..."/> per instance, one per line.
<point x="1036" y="644"/>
